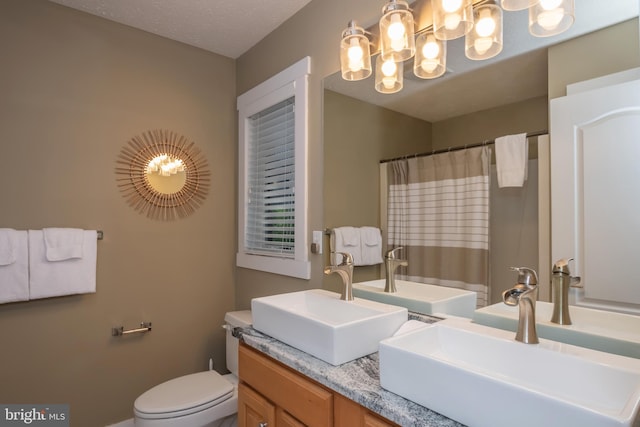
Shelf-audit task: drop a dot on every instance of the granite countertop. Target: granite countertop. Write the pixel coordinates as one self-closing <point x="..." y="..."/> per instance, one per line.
<point x="359" y="380"/>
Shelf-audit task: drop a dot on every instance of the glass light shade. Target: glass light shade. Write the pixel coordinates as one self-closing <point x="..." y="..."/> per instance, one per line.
<point x="397" y="34"/>
<point x="452" y="18"/>
<point x="485" y="40"/>
<point x="431" y="56"/>
<point x="551" y="17"/>
<point x="355" y="55"/>
<point x="389" y="75"/>
<point x="517" y="4"/>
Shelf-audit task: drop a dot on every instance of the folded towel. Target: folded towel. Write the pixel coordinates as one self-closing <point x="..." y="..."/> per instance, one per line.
<point x="14" y="268"/>
<point x="68" y="277"/>
<point x="512" y="152"/>
<point x="63" y="243"/>
<point x="8" y="237"/>
<point x="346" y="239"/>
<point x="371" y="245"/>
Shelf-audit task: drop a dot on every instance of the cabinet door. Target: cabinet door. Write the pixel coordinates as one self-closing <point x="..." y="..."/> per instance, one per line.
<point x="285" y="419"/>
<point x="350" y="414"/>
<point x="253" y="409"/>
<point x="371" y="420"/>
<point x="305" y="400"/>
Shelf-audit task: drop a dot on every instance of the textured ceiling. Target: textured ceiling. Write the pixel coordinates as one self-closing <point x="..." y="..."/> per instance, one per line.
<point x="228" y="28"/>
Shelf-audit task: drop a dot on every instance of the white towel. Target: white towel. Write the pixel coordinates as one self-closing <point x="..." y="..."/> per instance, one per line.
<point x="63" y="243"/>
<point x="7" y="246"/>
<point x="14" y="265"/>
<point x="371" y="245"/>
<point x="512" y="152"/>
<point x="346" y="239"/>
<point x="57" y="278"/>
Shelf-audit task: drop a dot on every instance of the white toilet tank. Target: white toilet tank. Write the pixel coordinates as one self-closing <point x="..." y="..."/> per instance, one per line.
<point x="235" y="319"/>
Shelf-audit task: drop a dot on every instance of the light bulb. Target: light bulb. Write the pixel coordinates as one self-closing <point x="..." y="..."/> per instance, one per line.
<point x="431" y="50"/>
<point x="452" y="20"/>
<point x="396" y="30"/>
<point x="550" y="4"/>
<point x="486" y="24"/>
<point x="355" y="55"/>
<point x="482" y="44"/>
<point x="429" y="65"/>
<point x="397" y="45"/>
<point x="451" y="5"/>
<point x="388" y="82"/>
<point x="549" y="20"/>
<point x="389" y="68"/>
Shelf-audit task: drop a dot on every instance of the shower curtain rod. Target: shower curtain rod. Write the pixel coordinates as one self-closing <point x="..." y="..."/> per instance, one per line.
<point x="446" y="150"/>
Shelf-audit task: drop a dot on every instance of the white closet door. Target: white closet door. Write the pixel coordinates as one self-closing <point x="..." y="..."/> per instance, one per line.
<point x="595" y="192"/>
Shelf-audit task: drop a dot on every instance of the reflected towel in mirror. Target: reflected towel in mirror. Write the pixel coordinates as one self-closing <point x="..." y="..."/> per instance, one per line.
<point x="512" y="153"/>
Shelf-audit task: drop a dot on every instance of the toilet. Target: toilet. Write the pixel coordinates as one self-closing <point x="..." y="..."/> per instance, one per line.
<point x="203" y="399"/>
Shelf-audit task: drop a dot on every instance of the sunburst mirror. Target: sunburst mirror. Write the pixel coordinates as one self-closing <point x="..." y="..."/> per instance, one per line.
<point x="162" y="174"/>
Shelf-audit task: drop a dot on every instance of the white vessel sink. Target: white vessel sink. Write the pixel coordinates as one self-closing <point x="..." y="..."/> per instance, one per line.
<point x="596" y="329"/>
<point x="420" y="297"/>
<point x="319" y="323"/>
<point x="481" y="376"/>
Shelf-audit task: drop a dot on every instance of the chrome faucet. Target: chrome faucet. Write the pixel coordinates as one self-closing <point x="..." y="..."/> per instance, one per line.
<point x="345" y="271"/>
<point x="524" y="294"/>
<point x="391" y="263"/>
<point x="561" y="281"/>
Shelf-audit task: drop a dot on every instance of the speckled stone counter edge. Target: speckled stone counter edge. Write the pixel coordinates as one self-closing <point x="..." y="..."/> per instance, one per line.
<point x="359" y="380"/>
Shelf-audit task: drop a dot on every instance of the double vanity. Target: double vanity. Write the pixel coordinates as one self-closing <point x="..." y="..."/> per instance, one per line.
<point x="375" y="362"/>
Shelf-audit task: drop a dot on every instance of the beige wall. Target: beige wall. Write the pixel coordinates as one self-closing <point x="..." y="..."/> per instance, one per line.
<point x="594" y="55"/>
<point x="357" y="135"/>
<point x="530" y="115"/>
<point x="74" y="89"/>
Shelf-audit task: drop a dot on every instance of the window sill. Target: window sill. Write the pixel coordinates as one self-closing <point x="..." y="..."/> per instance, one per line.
<point x="283" y="266"/>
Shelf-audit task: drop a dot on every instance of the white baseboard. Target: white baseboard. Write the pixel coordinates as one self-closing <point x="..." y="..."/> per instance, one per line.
<point x="125" y="423"/>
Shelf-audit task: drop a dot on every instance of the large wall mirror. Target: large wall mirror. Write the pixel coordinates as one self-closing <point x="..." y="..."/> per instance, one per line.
<point x="474" y="101"/>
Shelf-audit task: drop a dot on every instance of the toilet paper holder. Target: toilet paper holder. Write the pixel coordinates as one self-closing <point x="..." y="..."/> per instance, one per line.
<point x="119" y="331"/>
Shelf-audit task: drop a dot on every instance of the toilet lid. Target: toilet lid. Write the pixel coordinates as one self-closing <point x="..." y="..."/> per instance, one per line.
<point x="184" y="395"/>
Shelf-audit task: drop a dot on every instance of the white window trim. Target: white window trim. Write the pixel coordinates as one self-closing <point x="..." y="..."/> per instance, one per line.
<point x="292" y="81"/>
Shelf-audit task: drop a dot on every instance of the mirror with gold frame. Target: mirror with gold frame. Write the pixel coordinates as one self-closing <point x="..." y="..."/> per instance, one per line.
<point x="162" y="175"/>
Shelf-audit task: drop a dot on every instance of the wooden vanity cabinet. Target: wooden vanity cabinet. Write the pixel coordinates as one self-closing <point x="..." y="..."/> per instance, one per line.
<point x="271" y="394"/>
<point x="253" y="409"/>
<point x="348" y="413"/>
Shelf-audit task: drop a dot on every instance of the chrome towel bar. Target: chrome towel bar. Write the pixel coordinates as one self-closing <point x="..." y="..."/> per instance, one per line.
<point x="144" y="327"/>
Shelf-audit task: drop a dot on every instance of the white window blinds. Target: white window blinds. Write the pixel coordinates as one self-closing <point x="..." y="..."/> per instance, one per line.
<point x="271" y="181"/>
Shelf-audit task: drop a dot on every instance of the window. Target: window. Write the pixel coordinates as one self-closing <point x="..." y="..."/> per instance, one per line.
<point x="272" y="202"/>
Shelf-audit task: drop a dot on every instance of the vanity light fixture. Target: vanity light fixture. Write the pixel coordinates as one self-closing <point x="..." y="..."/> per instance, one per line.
<point x="452" y="18"/>
<point x="512" y="5"/>
<point x="389" y="75"/>
<point x="481" y="21"/>
<point x="165" y="165"/>
<point x="397" y="37"/>
<point x="485" y="40"/>
<point x="431" y="56"/>
<point x="551" y="17"/>
<point x="355" y="54"/>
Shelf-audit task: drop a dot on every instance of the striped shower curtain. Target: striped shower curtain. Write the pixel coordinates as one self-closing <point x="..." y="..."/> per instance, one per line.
<point x="438" y="210"/>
